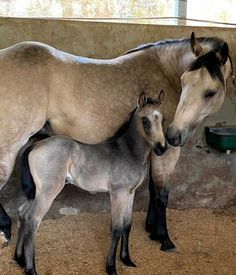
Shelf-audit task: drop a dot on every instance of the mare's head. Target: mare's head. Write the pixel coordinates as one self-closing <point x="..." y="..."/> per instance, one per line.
<point x="203" y="87"/>
<point x="150" y="120"/>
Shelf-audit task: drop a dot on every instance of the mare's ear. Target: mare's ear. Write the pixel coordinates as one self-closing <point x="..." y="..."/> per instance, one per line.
<point x="224" y="53"/>
<point x="161" y="97"/>
<point x="142" y="100"/>
<point x="195" y="45"/>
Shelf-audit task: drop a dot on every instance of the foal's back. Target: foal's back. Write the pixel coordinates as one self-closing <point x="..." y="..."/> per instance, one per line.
<point x="94" y="168"/>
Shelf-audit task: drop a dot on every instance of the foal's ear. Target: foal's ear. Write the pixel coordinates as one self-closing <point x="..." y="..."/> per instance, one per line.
<point x="161" y="96"/>
<point x="142" y="100"/>
<point x="195" y="45"/>
<point x="224" y="53"/>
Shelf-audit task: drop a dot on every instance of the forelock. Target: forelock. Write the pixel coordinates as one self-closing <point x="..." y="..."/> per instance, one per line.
<point x="211" y="63"/>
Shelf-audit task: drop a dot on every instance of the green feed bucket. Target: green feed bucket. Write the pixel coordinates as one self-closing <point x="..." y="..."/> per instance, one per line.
<point x="221" y="138"/>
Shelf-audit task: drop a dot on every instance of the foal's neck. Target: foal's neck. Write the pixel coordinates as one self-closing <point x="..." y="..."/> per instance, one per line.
<point x="135" y="141"/>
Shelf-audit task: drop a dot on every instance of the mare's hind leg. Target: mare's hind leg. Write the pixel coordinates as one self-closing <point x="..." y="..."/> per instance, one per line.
<point x="7" y="161"/>
<point x="5" y="225"/>
<point x="162" y="168"/>
<point x="30" y="215"/>
<point x="121" y="206"/>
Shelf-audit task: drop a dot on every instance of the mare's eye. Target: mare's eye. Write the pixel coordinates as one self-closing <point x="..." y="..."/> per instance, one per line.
<point x="209" y="94"/>
<point x="146" y="124"/>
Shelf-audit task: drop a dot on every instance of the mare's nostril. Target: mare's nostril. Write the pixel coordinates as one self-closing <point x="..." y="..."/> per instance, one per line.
<point x="173" y="139"/>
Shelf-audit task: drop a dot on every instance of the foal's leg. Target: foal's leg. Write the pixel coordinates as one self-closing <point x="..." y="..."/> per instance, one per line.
<point x="124" y="251"/>
<point x="19" y="252"/>
<point x="162" y="168"/>
<point x="120" y="201"/>
<point x="31" y="214"/>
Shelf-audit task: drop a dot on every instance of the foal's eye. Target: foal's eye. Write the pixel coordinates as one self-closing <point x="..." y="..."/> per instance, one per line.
<point x="163" y="121"/>
<point x="209" y="94"/>
<point x="146" y="124"/>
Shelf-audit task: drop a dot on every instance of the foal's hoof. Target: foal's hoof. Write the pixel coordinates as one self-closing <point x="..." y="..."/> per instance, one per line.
<point x="111" y="270"/>
<point x="31" y="271"/>
<point x="20" y="260"/>
<point x="128" y="262"/>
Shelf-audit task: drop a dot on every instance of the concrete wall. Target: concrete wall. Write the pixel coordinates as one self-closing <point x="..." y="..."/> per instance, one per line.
<point x="201" y="179"/>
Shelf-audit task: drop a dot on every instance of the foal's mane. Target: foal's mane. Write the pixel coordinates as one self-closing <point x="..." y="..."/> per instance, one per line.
<point x="124" y="127"/>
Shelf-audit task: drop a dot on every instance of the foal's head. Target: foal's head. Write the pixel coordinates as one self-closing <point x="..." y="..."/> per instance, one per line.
<point x="203" y="88"/>
<point x="150" y="120"/>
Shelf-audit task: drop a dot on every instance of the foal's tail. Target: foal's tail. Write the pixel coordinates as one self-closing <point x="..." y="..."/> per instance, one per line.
<point x="27" y="181"/>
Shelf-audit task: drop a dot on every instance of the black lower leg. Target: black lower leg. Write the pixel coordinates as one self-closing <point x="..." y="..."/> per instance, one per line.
<point x="111" y="259"/>
<point x="20" y="258"/>
<point x="5" y="224"/>
<point x="19" y="252"/>
<point x="29" y="249"/>
<point x="161" y="232"/>
<point x="124" y="250"/>
<point x="151" y="219"/>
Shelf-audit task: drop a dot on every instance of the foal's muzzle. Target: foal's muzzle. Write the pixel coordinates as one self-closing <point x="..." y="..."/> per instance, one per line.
<point x="159" y="149"/>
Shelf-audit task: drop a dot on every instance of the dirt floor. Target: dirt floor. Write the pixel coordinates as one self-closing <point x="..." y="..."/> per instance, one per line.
<point x="206" y="244"/>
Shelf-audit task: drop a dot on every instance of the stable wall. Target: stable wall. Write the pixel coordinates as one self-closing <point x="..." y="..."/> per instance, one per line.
<point x="201" y="179"/>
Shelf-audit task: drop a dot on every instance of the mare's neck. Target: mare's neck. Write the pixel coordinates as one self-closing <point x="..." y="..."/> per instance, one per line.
<point x="175" y="58"/>
<point x="161" y="66"/>
<point x="136" y="143"/>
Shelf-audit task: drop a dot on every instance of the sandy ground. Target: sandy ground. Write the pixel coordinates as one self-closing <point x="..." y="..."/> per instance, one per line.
<point x="206" y="244"/>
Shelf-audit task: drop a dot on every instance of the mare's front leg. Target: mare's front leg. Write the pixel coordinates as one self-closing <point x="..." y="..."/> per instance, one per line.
<point x="162" y="168"/>
<point x="121" y="212"/>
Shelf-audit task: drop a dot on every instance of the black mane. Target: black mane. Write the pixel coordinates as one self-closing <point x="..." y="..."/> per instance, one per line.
<point x="208" y="60"/>
<point x="211" y="63"/>
<point x="124" y="127"/>
<point x="215" y="42"/>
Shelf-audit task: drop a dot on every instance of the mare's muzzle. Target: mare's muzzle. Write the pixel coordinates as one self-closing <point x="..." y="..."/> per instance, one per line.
<point x="174" y="138"/>
<point x="159" y="149"/>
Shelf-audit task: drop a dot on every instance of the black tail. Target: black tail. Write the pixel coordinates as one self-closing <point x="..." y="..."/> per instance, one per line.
<point x="27" y="181"/>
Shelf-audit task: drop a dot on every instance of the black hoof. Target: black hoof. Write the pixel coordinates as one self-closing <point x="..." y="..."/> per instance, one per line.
<point x="111" y="270"/>
<point x="168" y="246"/>
<point x="128" y="262"/>
<point x="20" y="260"/>
<point x="166" y="243"/>
<point x="31" y="271"/>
